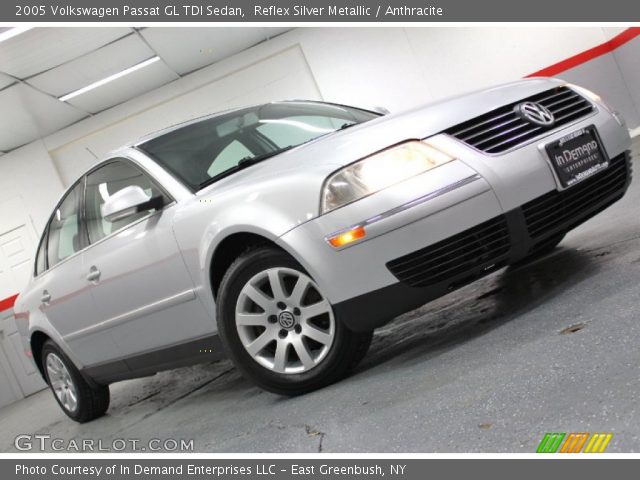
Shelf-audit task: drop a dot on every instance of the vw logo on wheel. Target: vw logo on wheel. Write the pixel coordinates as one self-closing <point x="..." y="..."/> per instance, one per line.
<point x="535" y="113"/>
<point x="286" y="320"/>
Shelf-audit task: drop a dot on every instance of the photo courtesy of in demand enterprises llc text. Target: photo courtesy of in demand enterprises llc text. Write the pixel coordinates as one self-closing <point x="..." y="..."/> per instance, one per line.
<point x="319" y="240"/>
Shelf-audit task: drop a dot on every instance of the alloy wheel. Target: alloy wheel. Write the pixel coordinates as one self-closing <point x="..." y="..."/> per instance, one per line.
<point x="61" y="382"/>
<point x="284" y="322"/>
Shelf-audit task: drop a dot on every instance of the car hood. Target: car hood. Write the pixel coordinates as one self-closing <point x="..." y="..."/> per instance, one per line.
<point x="344" y="147"/>
<point x="300" y="172"/>
<point x="421" y="122"/>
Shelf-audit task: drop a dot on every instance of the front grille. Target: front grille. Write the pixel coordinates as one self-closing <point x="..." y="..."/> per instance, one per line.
<point x="458" y="259"/>
<point x="502" y="129"/>
<point x="561" y="211"/>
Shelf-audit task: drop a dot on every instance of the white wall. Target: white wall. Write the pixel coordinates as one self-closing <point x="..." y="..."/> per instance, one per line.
<point x="29" y="185"/>
<point x="402" y="67"/>
<point x="394" y="67"/>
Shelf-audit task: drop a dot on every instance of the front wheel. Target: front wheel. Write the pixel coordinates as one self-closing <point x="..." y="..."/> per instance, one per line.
<point x="78" y="399"/>
<point x="280" y="329"/>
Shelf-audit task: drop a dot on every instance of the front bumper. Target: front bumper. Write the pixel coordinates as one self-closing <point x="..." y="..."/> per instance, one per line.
<point x="438" y="269"/>
<point x="498" y="216"/>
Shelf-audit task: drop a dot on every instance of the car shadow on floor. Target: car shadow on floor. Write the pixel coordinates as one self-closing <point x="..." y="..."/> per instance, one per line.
<point x="478" y="308"/>
<point x="427" y="332"/>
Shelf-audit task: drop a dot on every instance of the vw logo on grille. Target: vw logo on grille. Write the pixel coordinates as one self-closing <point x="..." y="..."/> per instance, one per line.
<point x="286" y="319"/>
<point x="535" y="113"/>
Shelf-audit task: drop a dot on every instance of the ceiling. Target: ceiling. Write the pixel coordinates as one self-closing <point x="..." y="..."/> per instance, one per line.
<point x="42" y="64"/>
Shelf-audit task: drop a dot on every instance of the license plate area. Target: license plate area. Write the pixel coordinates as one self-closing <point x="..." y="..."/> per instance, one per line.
<point x="577" y="156"/>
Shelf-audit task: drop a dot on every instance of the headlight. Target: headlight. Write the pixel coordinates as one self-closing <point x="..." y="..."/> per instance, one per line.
<point x="379" y="171"/>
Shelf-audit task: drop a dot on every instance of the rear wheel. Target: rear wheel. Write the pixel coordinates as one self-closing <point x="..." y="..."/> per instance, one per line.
<point x="77" y="398"/>
<point x="280" y="329"/>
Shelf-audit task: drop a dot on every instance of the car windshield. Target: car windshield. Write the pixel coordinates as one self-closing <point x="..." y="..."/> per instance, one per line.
<point x="203" y="152"/>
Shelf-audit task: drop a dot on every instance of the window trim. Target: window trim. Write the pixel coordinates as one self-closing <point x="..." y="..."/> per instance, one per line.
<point x="43" y="238"/>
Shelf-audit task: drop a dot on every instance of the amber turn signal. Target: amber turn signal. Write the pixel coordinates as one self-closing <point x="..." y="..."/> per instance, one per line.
<point x="345" y="238"/>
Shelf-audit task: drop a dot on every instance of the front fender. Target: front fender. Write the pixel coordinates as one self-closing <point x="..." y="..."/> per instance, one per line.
<point x="200" y="236"/>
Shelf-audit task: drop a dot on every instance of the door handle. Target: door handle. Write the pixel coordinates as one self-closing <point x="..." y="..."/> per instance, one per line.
<point x="94" y="274"/>
<point x="46" y="297"/>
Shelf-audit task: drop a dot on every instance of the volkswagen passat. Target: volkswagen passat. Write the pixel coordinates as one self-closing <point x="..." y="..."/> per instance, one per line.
<point x="284" y="234"/>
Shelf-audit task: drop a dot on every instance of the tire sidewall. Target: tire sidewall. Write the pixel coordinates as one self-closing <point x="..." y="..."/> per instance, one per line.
<point x="74" y="373"/>
<point x="245" y="268"/>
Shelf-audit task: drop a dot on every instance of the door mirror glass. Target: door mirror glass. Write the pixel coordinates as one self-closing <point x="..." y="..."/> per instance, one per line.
<point x="125" y="203"/>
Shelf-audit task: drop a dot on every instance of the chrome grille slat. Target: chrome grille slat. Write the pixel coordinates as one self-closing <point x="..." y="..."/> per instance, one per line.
<point x="586" y="108"/>
<point x="460" y="132"/>
<point x="493" y="147"/>
<point x="571" y="105"/>
<point x="494" y="132"/>
<point x="559" y="102"/>
<point x="503" y="133"/>
<point x="482" y="132"/>
<point x="554" y="95"/>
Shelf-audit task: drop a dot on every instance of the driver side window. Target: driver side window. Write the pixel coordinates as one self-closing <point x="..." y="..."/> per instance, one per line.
<point x="102" y="184"/>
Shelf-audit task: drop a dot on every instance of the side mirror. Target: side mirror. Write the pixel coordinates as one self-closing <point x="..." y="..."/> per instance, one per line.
<point x="129" y="201"/>
<point x="380" y="110"/>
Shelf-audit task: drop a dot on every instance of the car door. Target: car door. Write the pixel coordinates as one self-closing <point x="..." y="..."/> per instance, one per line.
<point x="141" y="286"/>
<point x="62" y="287"/>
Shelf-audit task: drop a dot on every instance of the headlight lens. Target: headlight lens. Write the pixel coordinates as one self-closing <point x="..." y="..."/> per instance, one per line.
<point x="379" y="171"/>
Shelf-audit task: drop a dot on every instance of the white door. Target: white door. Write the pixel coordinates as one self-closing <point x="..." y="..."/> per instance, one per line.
<point x="16" y="254"/>
<point x="17" y="249"/>
<point x="9" y="390"/>
<point x="23" y="368"/>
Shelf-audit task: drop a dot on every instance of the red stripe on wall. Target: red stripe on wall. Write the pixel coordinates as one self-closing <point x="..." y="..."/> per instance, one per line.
<point x="7" y="303"/>
<point x="595" y="52"/>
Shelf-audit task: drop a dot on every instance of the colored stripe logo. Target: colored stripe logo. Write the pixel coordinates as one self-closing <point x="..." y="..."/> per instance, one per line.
<point x="574" y="443"/>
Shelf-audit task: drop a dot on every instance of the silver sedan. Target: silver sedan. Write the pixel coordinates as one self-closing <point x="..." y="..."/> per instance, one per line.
<point x="283" y="234"/>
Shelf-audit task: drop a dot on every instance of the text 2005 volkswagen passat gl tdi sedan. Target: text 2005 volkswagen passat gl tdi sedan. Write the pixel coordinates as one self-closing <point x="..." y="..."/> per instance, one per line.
<point x="290" y="231"/>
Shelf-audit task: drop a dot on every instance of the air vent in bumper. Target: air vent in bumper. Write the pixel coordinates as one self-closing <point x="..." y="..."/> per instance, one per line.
<point x="458" y="259"/>
<point x="501" y="129"/>
<point x="560" y="211"/>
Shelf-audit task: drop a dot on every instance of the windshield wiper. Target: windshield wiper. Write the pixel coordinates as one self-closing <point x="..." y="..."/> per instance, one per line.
<point x="347" y="125"/>
<point x="244" y="163"/>
<point x="248" y="161"/>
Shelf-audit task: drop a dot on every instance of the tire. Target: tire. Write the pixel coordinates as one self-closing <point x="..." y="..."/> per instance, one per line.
<point x="91" y="401"/>
<point x="298" y="352"/>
